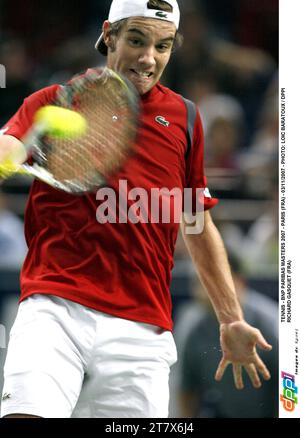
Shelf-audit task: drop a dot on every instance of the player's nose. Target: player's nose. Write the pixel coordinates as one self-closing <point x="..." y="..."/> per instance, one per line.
<point x="147" y="57"/>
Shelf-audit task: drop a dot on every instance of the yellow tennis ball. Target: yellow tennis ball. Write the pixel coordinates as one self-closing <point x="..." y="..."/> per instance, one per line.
<point x="61" y="122"/>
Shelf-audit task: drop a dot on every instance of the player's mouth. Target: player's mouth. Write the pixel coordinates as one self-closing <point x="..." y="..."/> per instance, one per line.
<point x="142" y="74"/>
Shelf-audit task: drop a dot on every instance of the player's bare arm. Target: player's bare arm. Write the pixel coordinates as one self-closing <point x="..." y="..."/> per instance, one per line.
<point x="238" y="339"/>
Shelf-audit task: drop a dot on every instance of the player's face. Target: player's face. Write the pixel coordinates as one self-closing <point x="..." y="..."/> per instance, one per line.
<point x="141" y="51"/>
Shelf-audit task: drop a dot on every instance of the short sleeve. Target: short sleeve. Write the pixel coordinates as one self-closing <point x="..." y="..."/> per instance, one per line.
<point x="195" y="177"/>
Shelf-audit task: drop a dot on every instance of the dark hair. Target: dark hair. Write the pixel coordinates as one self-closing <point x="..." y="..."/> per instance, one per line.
<point x="115" y="28"/>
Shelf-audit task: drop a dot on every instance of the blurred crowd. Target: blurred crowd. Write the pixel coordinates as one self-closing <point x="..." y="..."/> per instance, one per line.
<point x="228" y="66"/>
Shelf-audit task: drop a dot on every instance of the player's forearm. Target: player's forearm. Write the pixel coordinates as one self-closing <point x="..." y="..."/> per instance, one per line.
<point x="12" y="148"/>
<point x="210" y="259"/>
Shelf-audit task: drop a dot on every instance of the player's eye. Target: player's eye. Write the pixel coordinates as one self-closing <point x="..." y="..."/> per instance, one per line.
<point x="163" y="47"/>
<point x="135" y="42"/>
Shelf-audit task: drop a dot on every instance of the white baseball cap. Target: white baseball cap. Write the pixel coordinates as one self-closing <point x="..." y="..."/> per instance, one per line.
<point x="120" y="9"/>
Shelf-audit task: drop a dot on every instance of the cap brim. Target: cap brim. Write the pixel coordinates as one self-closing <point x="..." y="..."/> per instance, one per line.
<point x="101" y="46"/>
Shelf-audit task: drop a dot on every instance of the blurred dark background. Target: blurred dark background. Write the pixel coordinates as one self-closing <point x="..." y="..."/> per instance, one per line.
<point x="228" y="65"/>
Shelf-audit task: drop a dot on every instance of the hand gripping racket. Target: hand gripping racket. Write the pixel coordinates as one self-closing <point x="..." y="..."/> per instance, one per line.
<point x="86" y="134"/>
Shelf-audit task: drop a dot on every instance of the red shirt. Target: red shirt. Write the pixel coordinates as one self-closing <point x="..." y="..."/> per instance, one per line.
<point x="119" y="269"/>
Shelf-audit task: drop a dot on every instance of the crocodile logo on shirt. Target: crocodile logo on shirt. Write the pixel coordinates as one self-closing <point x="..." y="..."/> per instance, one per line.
<point x="161" y="14"/>
<point x="162" y="121"/>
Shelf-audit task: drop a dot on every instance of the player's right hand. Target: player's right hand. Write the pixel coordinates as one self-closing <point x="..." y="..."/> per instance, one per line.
<point x="12" y="154"/>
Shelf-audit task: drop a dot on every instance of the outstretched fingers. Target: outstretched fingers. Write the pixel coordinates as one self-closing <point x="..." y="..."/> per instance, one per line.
<point x="237" y="375"/>
<point x="253" y="375"/>
<point x="262" y="368"/>
<point x="221" y="369"/>
<point x="239" y="342"/>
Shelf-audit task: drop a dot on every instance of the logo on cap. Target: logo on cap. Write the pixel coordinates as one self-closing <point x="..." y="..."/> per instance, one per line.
<point x="161" y="14"/>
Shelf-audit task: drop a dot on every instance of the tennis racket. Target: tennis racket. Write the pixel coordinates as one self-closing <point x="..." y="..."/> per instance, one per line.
<point x="81" y="160"/>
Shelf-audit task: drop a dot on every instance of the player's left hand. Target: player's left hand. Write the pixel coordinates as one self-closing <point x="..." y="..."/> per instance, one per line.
<point x="238" y="343"/>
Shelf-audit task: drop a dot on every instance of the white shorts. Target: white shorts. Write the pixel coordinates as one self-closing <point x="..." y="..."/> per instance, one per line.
<point x="66" y="360"/>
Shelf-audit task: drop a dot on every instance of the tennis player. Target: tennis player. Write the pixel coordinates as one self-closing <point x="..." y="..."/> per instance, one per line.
<point x="93" y="333"/>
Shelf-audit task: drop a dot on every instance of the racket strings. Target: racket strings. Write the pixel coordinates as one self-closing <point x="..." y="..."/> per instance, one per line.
<point x="106" y="104"/>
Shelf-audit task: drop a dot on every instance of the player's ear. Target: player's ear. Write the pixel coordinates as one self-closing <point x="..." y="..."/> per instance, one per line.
<point x="108" y="38"/>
